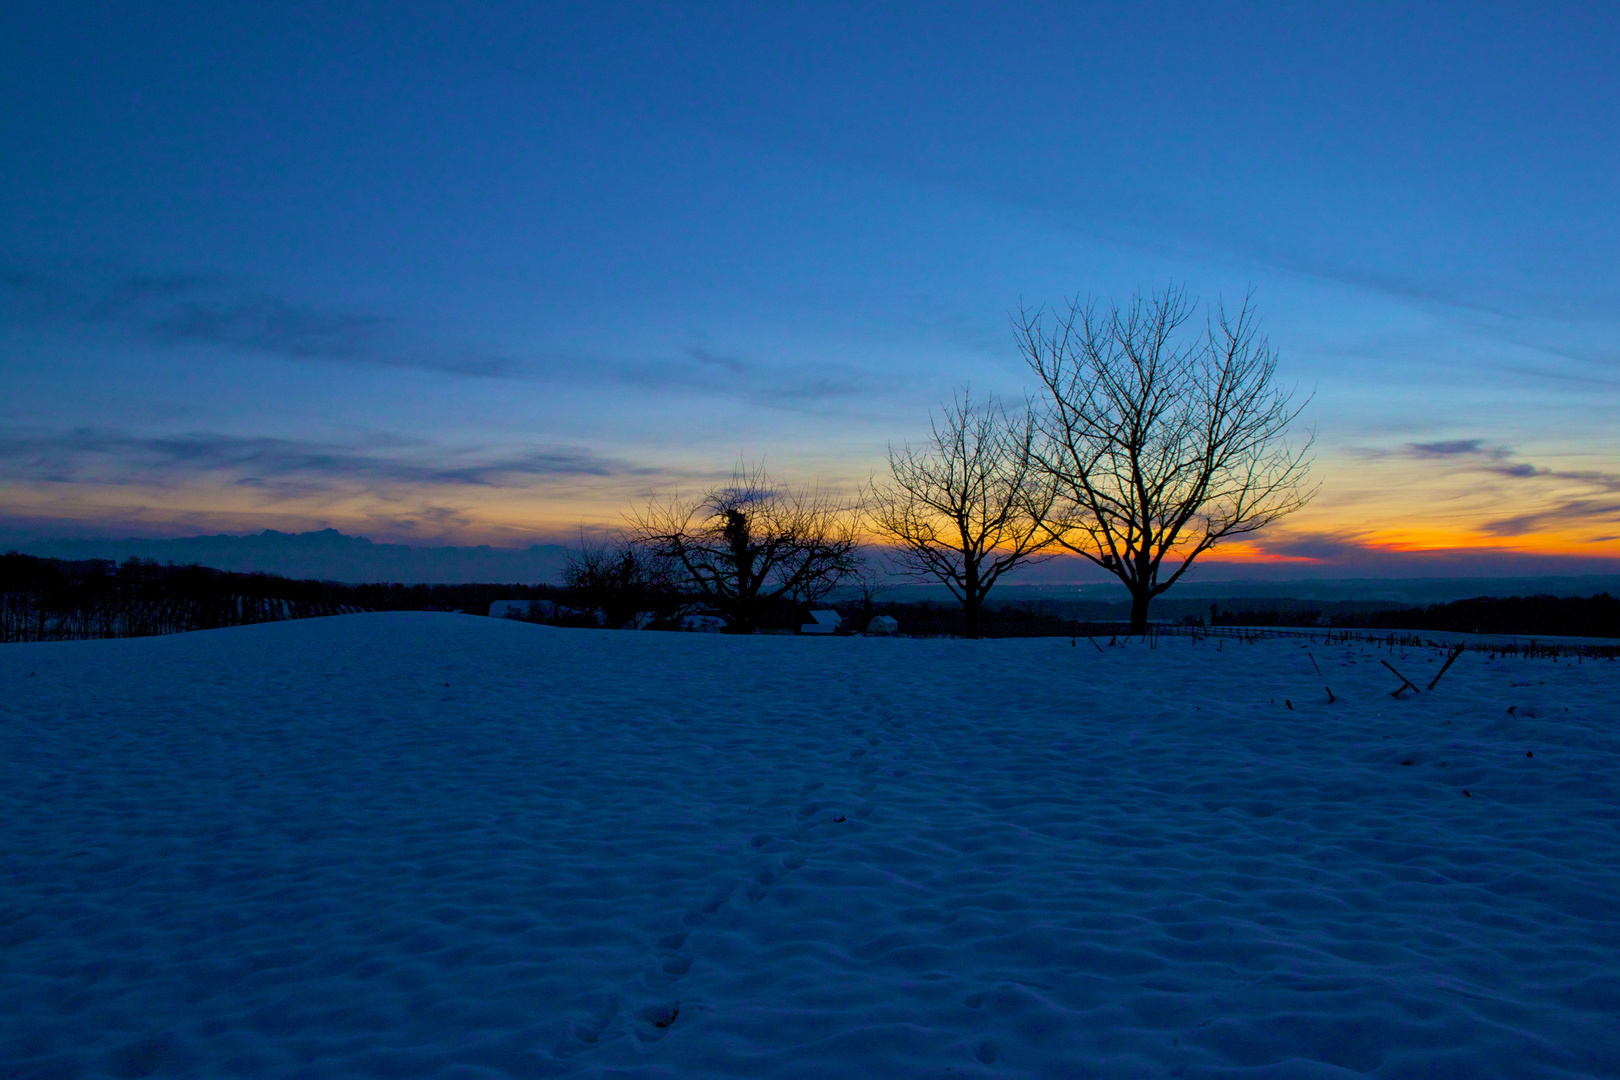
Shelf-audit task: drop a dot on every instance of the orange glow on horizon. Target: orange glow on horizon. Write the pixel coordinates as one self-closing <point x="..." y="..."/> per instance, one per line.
<point x="1324" y="534"/>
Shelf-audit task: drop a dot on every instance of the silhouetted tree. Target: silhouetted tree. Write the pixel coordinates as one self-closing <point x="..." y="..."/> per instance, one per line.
<point x="869" y="581"/>
<point x="1162" y="443"/>
<point x="749" y="544"/>
<point x="621" y="580"/>
<point x="970" y="504"/>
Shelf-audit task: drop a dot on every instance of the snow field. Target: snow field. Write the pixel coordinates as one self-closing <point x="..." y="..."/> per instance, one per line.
<point x="414" y="844"/>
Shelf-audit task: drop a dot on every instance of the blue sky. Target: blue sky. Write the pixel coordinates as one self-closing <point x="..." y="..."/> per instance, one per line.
<point x="490" y="272"/>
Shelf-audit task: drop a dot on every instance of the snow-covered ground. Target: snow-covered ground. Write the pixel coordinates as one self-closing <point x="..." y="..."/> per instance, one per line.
<point x="410" y="844"/>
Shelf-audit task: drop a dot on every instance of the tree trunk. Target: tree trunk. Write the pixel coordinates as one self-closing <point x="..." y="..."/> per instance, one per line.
<point x="972" y="599"/>
<point x="1139" y="608"/>
<point x="742" y="618"/>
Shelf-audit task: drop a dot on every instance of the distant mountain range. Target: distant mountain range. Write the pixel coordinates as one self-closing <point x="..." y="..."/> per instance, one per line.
<point x="327" y="555"/>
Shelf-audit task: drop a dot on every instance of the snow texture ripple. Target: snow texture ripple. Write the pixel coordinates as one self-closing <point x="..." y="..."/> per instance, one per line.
<point x="431" y="845"/>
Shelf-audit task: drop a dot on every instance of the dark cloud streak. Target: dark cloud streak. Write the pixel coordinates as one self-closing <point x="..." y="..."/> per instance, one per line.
<point x="1474" y="455"/>
<point x="1353" y="553"/>
<point x="284" y="466"/>
<point x="771" y="386"/>
<point x="1563" y="511"/>
<point x="1449" y="448"/>
<point x="210" y="311"/>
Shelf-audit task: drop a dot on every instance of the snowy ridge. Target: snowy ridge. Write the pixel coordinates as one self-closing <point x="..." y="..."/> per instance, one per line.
<point x="414" y="844"/>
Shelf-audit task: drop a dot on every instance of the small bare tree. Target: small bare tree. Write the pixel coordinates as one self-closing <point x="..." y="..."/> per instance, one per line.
<point x="620" y="580"/>
<point x="1162" y="443"/>
<point x="869" y="581"/>
<point x="745" y="546"/>
<point x="969" y="505"/>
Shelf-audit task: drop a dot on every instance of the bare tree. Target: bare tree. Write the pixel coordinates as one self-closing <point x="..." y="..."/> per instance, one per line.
<point x="1162" y="443"/>
<point x="870" y="580"/>
<point x="970" y="504"/>
<point x="745" y="546"/>
<point x="620" y="580"/>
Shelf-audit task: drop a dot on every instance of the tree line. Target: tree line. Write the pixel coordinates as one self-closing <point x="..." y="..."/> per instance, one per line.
<point x="1540" y="615"/>
<point x="62" y="600"/>
<point x="58" y="600"/>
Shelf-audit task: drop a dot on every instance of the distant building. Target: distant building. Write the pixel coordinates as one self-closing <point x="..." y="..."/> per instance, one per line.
<point x="825" y="623"/>
<point x="883" y="624"/>
<point x="522" y="609"/>
<point x="704" y="624"/>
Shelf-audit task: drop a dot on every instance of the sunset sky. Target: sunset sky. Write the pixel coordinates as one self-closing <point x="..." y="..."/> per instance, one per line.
<point x="485" y="273"/>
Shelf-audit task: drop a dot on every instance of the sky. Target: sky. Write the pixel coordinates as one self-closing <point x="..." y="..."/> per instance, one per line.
<point x="488" y="273"/>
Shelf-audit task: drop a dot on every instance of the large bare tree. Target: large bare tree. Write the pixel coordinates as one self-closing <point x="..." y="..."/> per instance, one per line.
<point x="1163" y="440"/>
<point x="968" y="505"/>
<point x="748" y="544"/>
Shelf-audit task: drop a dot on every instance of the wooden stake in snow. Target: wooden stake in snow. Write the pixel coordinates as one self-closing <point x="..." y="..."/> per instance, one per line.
<point x="1329" y="689"/>
<point x="1405" y="682"/>
<point x="1452" y="659"/>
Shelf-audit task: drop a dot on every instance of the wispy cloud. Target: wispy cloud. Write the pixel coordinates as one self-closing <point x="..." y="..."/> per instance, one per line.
<point x="286" y="467"/>
<point x="1472" y="455"/>
<point x="1449" y="448"/>
<point x="1327" y="547"/>
<point x="1463" y="453"/>
<point x="733" y="364"/>
<point x="783" y="386"/>
<point x="1476" y="455"/>
<point x="1551" y="499"/>
<point x="213" y="311"/>
<point x="1563" y="514"/>
<point x="1355" y="553"/>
